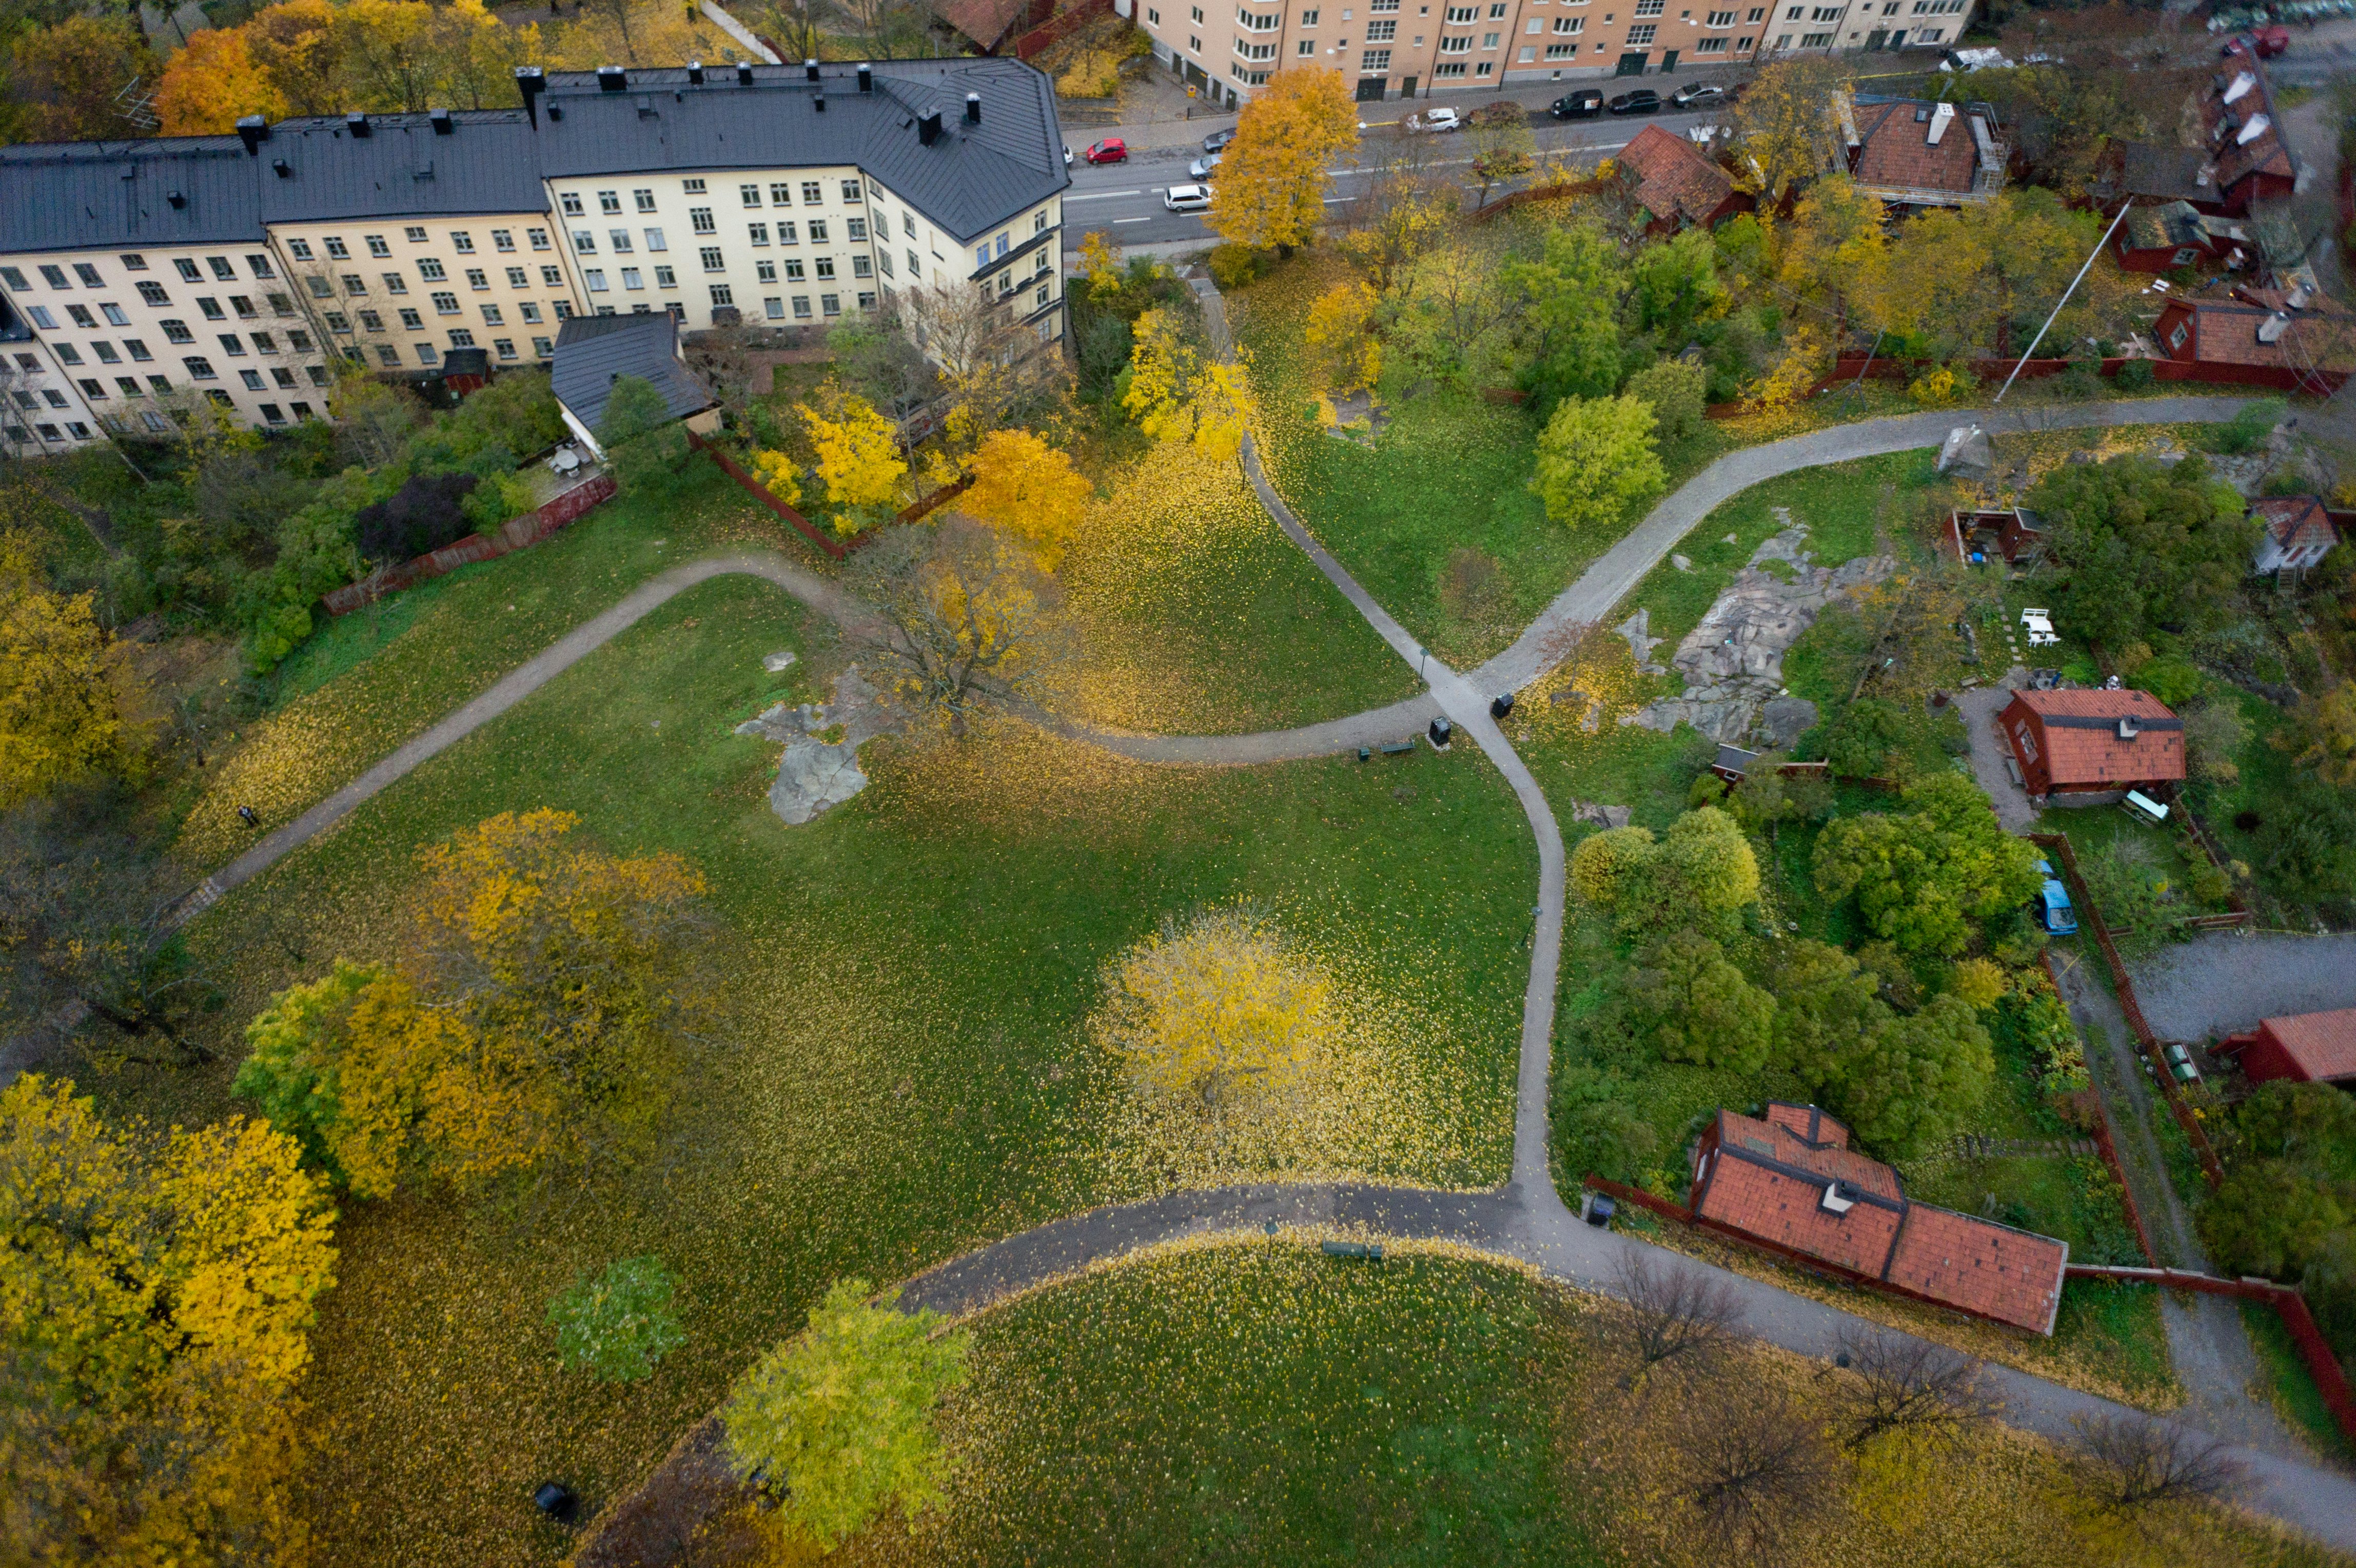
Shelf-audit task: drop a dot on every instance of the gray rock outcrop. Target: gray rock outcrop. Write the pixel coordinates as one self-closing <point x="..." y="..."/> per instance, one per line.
<point x="816" y="774"/>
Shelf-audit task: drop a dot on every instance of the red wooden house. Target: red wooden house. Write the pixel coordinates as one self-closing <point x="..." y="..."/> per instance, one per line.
<point x="2305" y="1047"/>
<point x="2248" y="342"/>
<point x="2071" y="743"/>
<point x="1792" y="1183"/>
<point x="1676" y="184"/>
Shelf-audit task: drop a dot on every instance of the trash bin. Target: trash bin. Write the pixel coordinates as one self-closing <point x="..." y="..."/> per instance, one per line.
<point x="1599" y="1212"/>
<point x="1442" y="732"/>
<point x="1501" y="705"/>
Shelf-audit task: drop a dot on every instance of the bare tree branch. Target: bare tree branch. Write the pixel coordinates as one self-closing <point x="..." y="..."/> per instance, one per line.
<point x="1674" y="1310"/>
<point x="2130" y="1463"/>
<point x="1755" y="1466"/>
<point x="1905" y="1384"/>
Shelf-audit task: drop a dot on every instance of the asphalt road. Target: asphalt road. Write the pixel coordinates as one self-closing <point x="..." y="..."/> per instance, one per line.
<point x="1126" y="199"/>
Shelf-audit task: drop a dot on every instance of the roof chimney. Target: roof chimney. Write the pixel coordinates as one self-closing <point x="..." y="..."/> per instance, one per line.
<point x="443" y="125"/>
<point x="928" y="128"/>
<point x="1941" y="118"/>
<point x="821" y="101"/>
<point x="810" y="70"/>
<point x="695" y="72"/>
<point x="281" y="168"/>
<point x="532" y="82"/>
<point x="357" y="124"/>
<point x="866" y="77"/>
<point x="612" y="78"/>
<point x="253" y="130"/>
<point x="175" y="199"/>
<point x="974" y="108"/>
<point x="744" y="73"/>
<point x="2128" y="728"/>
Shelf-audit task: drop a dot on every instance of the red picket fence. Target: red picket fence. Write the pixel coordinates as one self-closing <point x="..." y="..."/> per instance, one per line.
<point x="1061" y="27"/>
<point x="515" y="534"/>
<point x="2146" y="1040"/>
<point x="2331" y="1378"/>
<point x="1992" y="373"/>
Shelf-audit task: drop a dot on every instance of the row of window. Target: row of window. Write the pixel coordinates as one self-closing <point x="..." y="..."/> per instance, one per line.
<point x="781" y="194"/>
<point x="223" y="271"/>
<point x="388" y="355"/>
<point x="198" y="369"/>
<point x="460" y="240"/>
<point x="356" y="286"/>
<point x="621" y="242"/>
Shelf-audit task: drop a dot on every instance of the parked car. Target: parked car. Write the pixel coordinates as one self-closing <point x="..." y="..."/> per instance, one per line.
<point x="1216" y="142"/>
<point x="1187" y="198"/>
<point x="1584" y="104"/>
<point x="1068" y="156"/>
<point x="1435" y="119"/>
<point x="1201" y="167"/>
<point x="2268" y="42"/>
<point x="1111" y="150"/>
<point x="2052" y="904"/>
<point x="1643" y="100"/>
<point x="1694" y="94"/>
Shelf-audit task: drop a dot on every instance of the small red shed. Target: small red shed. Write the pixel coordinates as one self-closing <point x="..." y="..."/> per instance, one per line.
<point x="2305" y="1047"/>
<point x="2093" y="742"/>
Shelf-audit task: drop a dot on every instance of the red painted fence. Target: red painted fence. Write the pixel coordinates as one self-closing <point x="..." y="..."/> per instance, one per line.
<point x="760" y="492"/>
<point x="1059" y="28"/>
<point x="515" y="534"/>
<point x="1992" y="373"/>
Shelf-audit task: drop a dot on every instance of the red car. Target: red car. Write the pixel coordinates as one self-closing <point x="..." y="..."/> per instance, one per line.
<point x="2269" y="42"/>
<point x="1111" y="150"/>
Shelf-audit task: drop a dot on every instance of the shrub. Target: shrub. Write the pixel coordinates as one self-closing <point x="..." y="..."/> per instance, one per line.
<point x="618" y="1325"/>
<point x="1235" y="266"/>
<point x="423" y="516"/>
<point x="1093" y="73"/>
<point x="2135" y="375"/>
<point x="2172" y="680"/>
<point x="2248" y="430"/>
<point x="1935" y="387"/>
<point x="1676" y="391"/>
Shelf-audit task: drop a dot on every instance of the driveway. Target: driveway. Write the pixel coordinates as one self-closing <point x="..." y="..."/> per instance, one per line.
<point x="1979" y="710"/>
<point x="2224" y="982"/>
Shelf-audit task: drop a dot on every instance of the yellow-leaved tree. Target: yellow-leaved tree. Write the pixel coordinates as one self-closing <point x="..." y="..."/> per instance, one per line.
<point x="1175" y="396"/>
<point x="1783" y="124"/>
<point x="156" y="1304"/>
<point x="1341" y="328"/>
<point x="1219" y="1013"/>
<point x="1030" y="489"/>
<point x="213" y="83"/>
<point x="1269" y="189"/>
<point x="546" y="996"/>
<point x="60" y="695"/>
<point x="964" y="615"/>
<point x="778" y="475"/>
<point x="1100" y="261"/>
<point x="858" y="456"/>
<point x="308" y="57"/>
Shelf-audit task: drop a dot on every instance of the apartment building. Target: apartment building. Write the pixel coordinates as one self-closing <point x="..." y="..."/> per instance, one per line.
<point x="409" y="235"/>
<point x="144" y="269"/>
<point x="786" y="196"/>
<point x="1407" y="49"/>
<point x="43" y="410"/>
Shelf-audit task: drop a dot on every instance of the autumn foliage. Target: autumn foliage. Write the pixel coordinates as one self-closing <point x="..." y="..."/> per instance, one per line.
<point x="536" y="1019"/>
<point x="1030" y="489"/>
<point x="1270" y="185"/>
<point x="1175" y="394"/>
<point x="858" y="455"/>
<point x="60" y="708"/>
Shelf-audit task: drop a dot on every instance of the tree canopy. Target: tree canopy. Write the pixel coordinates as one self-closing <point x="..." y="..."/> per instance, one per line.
<point x="1702" y="870"/>
<point x="1270" y="185"/>
<point x="1030" y="489"/>
<point x="60" y="708"/>
<point x="2144" y="544"/>
<point x="1596" y="459"/>
<point x="1924" y="877"/>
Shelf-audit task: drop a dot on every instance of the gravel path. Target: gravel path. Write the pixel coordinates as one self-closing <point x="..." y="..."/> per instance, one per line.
<point x="2224" y="982"/>
<point x="1979" y="710"/>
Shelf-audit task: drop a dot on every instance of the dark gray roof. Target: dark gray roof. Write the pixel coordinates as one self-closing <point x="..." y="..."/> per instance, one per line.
<point x="971" y="179"/>
<point x="593" y="350"/>
<point x="2166" y="173"/>
<point x="85" y="196"/>
<point x="402" y="168"/>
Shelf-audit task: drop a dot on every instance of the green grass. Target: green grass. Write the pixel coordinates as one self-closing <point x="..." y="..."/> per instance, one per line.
<point x="2297" y="1399"/>
<point x="2117" y="1329"/>
<point x="906" y="1073"/>
<point x="1265" y="1403"/>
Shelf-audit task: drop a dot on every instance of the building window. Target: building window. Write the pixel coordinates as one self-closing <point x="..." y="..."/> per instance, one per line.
<point x="1463" y="46"/>
<point x="1710" y="47"/>
<point x="855" y="229"/>
<point x="722" y="296"/>
<point x="1450" y="68"/>
<point x="789" y="233"/>
<point x="597" y="279"/>
<point x="664" y="278"/>
<point x="444" y="304"/>
<point x="830" y="304"/>
<point x="584" y="242"/>
<point x="462" y="339"/>
<point x="542" y="348"/>
<point x="1570" y="24"/>
<point x="764" y="272"/>
<point x="387" y="353"/>
<point x="859" y="267"/>
<point x="749" y="194"/>
<point x="427" y="354"/>
<point x="609" y="201"/>
<point x="812" y="193"/>
<point x="620" y="240"/>
<point x="1639" y="37"/>
<point x="253" y="380"/>
<point x="850" y="192"/>
<point x="412" y="321"/>
<point x="758" y="232"/>
<point x="504" y="347"/>
<point x="177" y="332"/>
<point x="1721" y="19"/>
<point x="477" y="278"/>
<point x="1815" y="40"/>
<point x="138" y="350"/>
<point x="152" y="294"/>
<point x="201" y="367"/>
<point x="1742" y="46"/>
<point x="818" y="230"/>
<point x="655" y="240"/>
<point x="518" y="278"/>
<point x="700" y="219"/>
<point x="377" y="246"/>
<point x="539" y="238"/>
<point x="2176" y="337"/>
<point x="801" y="307"/>
<point x="1488" y="40"/>
<point x="711" y="260"/>
<point x="503" y="239"/>
<point x="1374" y="62"/>
<point x="692" y="187"/>
<point x="633" y="278"/>
<point x="570" y="203"/>
<point x="551" y="278"/>
<point x="530" y="309"/>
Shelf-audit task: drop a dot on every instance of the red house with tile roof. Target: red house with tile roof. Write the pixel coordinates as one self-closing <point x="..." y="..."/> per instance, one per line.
<point x="2241" y="158"/>
<point x="1676" y="185"/>
<point x="2257" y="339"/>
<point x="2305" y="1047"/>
<point x="1913" y="152"/>
<point x="2092" y="742"/>
<point x="2298" y="532"/>
<point x="1791" y="1181"/>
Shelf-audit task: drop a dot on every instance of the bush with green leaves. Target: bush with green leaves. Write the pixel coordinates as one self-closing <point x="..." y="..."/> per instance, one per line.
<point x="1702" y="872"/>
<point x="2248" y="429"/>
<point x="1676" y="391"/>
<point x="1904" y="1082"/>
<point x="1597" y="1128"/>
<point x="1862" y="739"/>
<point x="1688" y="1001"/>
<point x="839" y="1419"/>
<point x="2142" y="545"/>
<point x="1924" y="877"/>
<point x="2135" y="376"/>
<point x="618" y="1324"/>
<point x="1597" y="457"/>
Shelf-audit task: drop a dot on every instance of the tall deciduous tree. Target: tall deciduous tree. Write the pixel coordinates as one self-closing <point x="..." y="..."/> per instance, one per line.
<point x="1270" y="188"/>
<point x="1783" y="126"/>
<point x="1596" y="459"/>
<point x="1339" y="327"/>
<point x="841" y="1418"/>
<point x="213" y="83"/>
<point x="1175" y="394"/>
<point x="1219" y="1012"/>
<point x="1569" y="316"/>
<point x="1923" y="878"/>
<point x="858" y="455"/>
<point x="1030" y="489"/>
<point x="1694" y="1005"/>
<point x="2140" y="543"/>
<point x="964" y="615"/>
<point x="70" y="76"/>
<point x="62" y="695"/>
<point x="155" y="1302"/>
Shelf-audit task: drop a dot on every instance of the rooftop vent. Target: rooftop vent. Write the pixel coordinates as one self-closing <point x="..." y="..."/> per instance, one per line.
<point x="810" y="70"/>
<point x="744" y="73"/>
<point x="612" y="78"/>
<point x="175" y="199"/>
<point x="357" y="124"/>
<point x="2128" y="728"/>
<point x="2299" y="298"/>
<point x="556" y="112"/>
<point x="253" y="130"/>
<point x="442" y="123"/>
<point x="532" y="82"/>
<point x="866" y="77"/>
<point x="821" y="104"/>
<point x="281" y="168"/>
<point x="928" y="128"/>
<point x="1834" y="1202"/>
<point x="1941" y="118"/>
<point x="2271" y="329"/>
<point x="695" y="72"/>
<point x="2243" y="82"/>
<point x="974" y="108"/>
<point x="2250" y="132"/>
<point x="646" y="107"/>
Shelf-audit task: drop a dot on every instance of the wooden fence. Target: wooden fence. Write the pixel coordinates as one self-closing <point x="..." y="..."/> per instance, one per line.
<point x="1058" y="27"/>
<point x="2331" y="1378"/>
<point x="2107" y="1145"/>
<point x="2146" y="1041"/>
<point x="837" y="548"/>
<point x="1992" y="373"/>
<point x="515" y="534"/>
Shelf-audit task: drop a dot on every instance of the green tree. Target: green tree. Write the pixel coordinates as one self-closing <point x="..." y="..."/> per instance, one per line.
<point x="1568" y="314"/>
<point x="842" y="1417"/>
<point x="1864" y="737"/>
<point x="1676" y="391"/>
<point x="2140" y="543"/>
<point x="1597" y="1127"/>
<point x="618" y="1325"/>
<point x="296" y="1048"/>
<point x="1922" y="879"/>
<point x="1915" y="1081"/>
<point x="1596" y="459"/>
<point x="642" y="444"/>
<point x="1702" y="867"/>
<point x="1695" y="1005"/>
<point x="2290" y="1180"/>
<point x="1676" y="285"/>
<point x="1825" y="1004"/>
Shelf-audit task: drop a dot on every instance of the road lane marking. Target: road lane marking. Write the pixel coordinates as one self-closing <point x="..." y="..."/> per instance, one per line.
<point x="1145" y="220"/>
<point x="1103" y="195"/>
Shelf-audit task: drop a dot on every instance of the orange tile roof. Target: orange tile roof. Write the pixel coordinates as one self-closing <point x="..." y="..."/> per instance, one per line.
<point x="2324" y="1044"/>
<point x="2079" y="732"/>
<point x="2264" y="153"/>
<point x="1985" y="1268"/>
<point x="1771" y="1179"/>
<point x="1897" y="149"/>
<point x="1673" y="179"/>
<point x="2296" y="522"/>
<point x="2319" y="337"/>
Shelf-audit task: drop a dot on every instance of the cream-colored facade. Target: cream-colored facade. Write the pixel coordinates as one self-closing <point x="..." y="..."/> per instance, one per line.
<point x="43" y="410"/>
<point x="397" y="296"/>
<point x="140" y="331"/>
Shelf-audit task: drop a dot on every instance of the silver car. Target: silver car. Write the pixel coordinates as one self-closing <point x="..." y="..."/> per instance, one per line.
<point x="1187" y="198"/>
<point x="1201" y="167"/>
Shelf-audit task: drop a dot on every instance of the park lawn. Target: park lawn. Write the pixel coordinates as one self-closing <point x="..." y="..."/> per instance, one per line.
<point x="906" y="1073"/>
<point x="1260" y="1401"/>
<point x="2292" y="1388"/>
